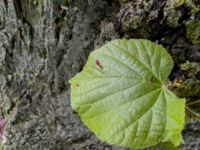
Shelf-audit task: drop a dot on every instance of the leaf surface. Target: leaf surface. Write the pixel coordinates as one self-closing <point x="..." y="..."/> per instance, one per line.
<point x="120" y="95"/>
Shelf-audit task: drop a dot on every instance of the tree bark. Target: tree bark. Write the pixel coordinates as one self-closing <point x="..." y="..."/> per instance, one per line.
<point x="43" y="43"/>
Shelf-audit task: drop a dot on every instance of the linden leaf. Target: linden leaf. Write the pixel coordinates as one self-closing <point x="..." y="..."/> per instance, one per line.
<point x="121" y="95"/>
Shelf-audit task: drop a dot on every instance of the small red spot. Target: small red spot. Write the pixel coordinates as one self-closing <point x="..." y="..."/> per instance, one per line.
<point x="99" y="64"/>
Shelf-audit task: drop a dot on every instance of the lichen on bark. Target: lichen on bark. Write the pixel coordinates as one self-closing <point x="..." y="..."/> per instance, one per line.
<point x="193" y="31"/>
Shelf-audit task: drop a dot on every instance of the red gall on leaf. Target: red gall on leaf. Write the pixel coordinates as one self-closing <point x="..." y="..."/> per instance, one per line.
<point x="99" y="64"/>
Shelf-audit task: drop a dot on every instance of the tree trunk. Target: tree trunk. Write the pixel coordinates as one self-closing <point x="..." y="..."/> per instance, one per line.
<point x="43" y="43"/>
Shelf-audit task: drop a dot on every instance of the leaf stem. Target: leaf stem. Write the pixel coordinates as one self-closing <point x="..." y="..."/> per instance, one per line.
<point x="193" y="103"/>
<point x="194" y="114"/>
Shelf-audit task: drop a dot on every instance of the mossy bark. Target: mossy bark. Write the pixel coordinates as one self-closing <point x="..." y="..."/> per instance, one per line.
<point x="43" y="43"/>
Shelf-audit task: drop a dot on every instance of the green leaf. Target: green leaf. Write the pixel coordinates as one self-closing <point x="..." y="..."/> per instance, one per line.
<point x="120" y="95"/>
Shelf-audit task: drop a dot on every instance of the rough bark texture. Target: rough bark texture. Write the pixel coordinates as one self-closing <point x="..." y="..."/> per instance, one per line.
<point x="43" y="43"/>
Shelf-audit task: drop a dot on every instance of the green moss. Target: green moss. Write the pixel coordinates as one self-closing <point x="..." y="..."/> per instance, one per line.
<point x="193" y="31"/>
<point x="178" y="3"/>
<point x="188" y="86"/>
<point x="173" y="18"/>
<point x="188" y="3"/>
<point x="192" y="68"/>
<point x="182" y="87"/>
<point x="194" y="8"/>
<point x="173" y="13"/>
<point x="147" y="4"/>
<point x="136" y="22"/>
